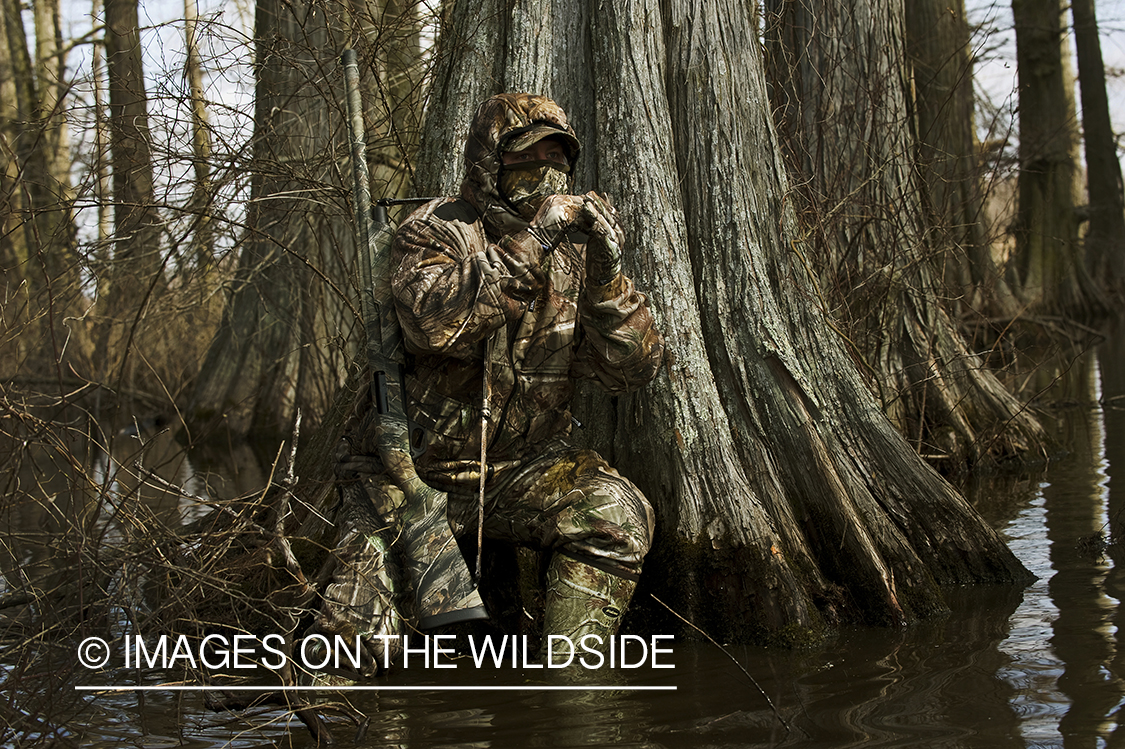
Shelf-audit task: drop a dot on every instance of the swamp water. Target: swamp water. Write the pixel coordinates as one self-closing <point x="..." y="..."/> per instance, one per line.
<point x="1040" y="666"/>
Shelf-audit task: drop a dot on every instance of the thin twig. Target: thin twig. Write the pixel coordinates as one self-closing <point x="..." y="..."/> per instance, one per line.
<point x="766" y="697"/>
<point x="154" y="478"/>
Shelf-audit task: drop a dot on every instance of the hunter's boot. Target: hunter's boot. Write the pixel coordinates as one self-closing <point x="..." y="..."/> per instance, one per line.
<point x="581" y="600"/>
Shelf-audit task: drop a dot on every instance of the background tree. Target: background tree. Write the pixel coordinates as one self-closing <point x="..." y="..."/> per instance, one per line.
<point x="13" y="249"/>
<point x="841" y="83"/>
<point x="99" y="168"/>
<point x="781" y="488"/>
<point x="395" y="83"/>
<point x="940" y="52"/>
<point x="202" y="237"/>
<point x="135" y="272"/>
<point x="50" y="74"/>
<point x="272" y="353"/>
<point x="37" y="251"/>
<point x="1049" y="265"/>
<point x="286" y="342"/>
<point x="1105" y="236"/>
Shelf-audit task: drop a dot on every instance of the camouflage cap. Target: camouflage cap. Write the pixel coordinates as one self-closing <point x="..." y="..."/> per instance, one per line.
<point x="525" y="137"/>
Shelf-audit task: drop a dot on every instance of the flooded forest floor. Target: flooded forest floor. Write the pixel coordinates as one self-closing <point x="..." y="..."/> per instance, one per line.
<point x="1007" y="667"/>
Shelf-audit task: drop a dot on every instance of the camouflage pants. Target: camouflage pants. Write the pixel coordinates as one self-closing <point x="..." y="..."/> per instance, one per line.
<point x="568" y="500"/>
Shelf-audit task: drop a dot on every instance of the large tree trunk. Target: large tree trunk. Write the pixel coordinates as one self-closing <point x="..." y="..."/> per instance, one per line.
<point x="784" y="496"/>
<point x="136" y="223"/>
<point x="1053" y="278"/>
<point x="50" y="73"/>
<point x="1105" y="236"/>
<point x="13" y="246"/>
<point x="842" y="87"/>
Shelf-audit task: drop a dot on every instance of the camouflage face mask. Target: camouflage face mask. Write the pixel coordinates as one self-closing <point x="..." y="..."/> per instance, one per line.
<point x="526" y="185"/>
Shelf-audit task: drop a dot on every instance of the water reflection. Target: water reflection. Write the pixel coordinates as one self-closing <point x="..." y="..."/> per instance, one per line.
<point x="1034" y="669"/>
<point x="1083" y="634"/>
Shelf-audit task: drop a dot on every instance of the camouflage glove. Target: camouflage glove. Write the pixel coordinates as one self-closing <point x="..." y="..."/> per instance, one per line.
<point x="555" y="218"/>
<point x="603" y="251"/>
<point x="357" y="452"/>
<point x="521" y="255"/>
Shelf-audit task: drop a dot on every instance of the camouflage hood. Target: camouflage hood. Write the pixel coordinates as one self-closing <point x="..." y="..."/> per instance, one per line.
<point x="507" y="122"/>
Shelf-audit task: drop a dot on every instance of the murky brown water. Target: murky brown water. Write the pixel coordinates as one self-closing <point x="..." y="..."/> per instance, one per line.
<point x="1035" y="667"/>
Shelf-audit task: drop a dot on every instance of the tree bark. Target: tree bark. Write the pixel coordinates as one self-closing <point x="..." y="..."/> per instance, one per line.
<point x="13" y="247"/>
<point x="393" y="53"/>
<point x="272" y="354"/>
<point x="1105" y="236"/>
<point x="50" y="67"/>
<point x="1050" y="265"/>
<point x="785" y="499"/>
<point x="842" y="87"/>
<point x="102" y="187"/>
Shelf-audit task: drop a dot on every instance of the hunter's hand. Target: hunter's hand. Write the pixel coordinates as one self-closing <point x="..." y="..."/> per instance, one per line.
<point x="598" y="217"/>
<point x="526" y="277"/>
<point x="603" y="252"/>
<point x="555" y="217"/>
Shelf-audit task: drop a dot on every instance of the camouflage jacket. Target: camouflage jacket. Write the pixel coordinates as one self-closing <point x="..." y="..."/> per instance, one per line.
<point x="471" y="282"/>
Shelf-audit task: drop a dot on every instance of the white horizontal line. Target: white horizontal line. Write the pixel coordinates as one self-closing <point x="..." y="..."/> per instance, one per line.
<point x="365" y="688"/>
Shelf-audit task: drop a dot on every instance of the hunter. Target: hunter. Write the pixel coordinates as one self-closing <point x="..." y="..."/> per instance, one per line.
<point x="507" y="296"/>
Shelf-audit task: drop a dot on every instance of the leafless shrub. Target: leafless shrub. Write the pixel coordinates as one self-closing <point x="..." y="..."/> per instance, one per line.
<point x="109" y="525"/>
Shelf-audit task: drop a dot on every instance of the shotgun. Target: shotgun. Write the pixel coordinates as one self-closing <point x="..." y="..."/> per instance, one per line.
<point x="435" y="568"/>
